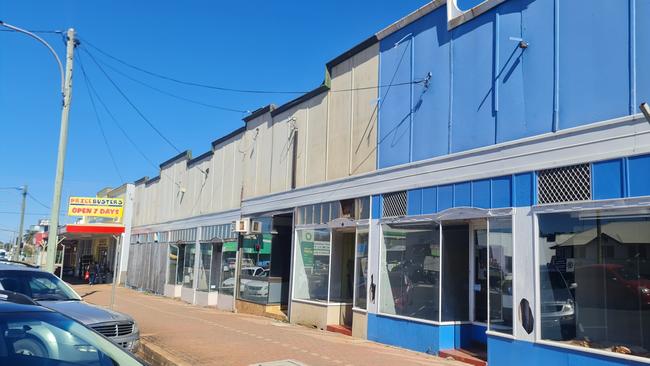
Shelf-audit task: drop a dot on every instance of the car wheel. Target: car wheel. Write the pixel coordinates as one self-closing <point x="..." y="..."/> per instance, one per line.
<point x="30" y="346"/>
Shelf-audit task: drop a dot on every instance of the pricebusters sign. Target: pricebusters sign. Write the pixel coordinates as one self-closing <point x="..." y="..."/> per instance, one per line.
<point x="96" y="207"/>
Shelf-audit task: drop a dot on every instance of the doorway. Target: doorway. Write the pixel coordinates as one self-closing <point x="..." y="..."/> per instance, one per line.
<point x="342" y="274"/>
<point x="465" y="283"/>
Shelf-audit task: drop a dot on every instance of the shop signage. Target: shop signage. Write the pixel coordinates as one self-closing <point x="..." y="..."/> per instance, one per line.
<point x="229" y="246"/>
<point x="96" y="207"/>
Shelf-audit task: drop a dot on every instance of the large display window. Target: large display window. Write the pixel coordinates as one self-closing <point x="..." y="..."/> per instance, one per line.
<point x="228" y="267"/>
<point x="255" y="268"/>
<point x="500" y="270"/>
<point x="312" y="262"/>
<point x="594" y="280"/>
<point x="209" y="272"/>
<point x="188" y="265"/>
<point x="410" y="270"/>
<point x="361" y="268"/>
<point x="172" y="264"/>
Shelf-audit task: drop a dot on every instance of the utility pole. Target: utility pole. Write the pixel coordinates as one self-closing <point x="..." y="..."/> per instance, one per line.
<point x="53" y="240"/>
<point x="19" y="242"/>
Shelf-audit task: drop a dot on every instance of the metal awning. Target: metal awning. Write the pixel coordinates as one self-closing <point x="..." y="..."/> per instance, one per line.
<point x="79" y="231"/>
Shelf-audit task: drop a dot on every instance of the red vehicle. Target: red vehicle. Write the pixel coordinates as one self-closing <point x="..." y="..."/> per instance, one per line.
<point x="613" y="286"/>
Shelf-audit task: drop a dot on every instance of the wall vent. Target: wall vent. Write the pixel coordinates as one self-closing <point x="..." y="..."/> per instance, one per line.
<point x="394" y="204"/>
<point x="565" y="184"/>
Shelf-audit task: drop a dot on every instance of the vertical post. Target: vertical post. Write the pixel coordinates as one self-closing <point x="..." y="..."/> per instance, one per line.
<point x="52" y="240"/>
<point x="19" y="241"/>
<point x="116" y="268"/>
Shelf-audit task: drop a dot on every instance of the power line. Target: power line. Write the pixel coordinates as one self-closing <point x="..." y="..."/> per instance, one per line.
<point x="37" y="31"/>
<point x="130" y="102"/>
<point x="208" y="86"/>
<point x="119" y="126"/>
<point x="189" y="100"/>
<point x="26" y="213"/>
<point x="99" y="121"/>
<point x="190" y="83"/>
<point x="38" y="201"/>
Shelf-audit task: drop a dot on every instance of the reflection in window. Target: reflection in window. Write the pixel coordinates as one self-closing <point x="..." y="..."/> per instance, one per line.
<point x="500" y="272"/>
<point x="228" y="266"/>
<point x="255" y="265"/>
<point x="188" y="266"/>
<point x="410" y="270"/>
<point x="595" y="280"/>
<point x="203" y="278"/>
<point x="312" y="264"/>
<point x="361" y="268"/>
<point x="172" y="264"/>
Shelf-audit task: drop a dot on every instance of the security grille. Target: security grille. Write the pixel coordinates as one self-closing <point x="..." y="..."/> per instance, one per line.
<point x="394" y="204"/>
<point x="565" y="184"/>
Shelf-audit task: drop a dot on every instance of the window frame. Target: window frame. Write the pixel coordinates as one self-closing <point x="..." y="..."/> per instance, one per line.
<point x="621" y="205"/>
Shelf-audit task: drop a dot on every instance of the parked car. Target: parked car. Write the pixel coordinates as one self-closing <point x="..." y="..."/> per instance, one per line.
<point x="257" y="288"/>
<point x="613" y="286"/>
<point x="33" y="335"/>
<point x="245" y="272"/>
<point x="558" y="305"/>
<point x="50" y="291"/>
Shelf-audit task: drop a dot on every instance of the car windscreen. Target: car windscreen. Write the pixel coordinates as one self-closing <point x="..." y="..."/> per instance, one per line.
<point x="40" y="286"/>
<point x="49" y="338"/>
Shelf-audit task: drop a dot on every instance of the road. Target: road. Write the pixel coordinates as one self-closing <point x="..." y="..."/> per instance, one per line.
<point x="207" y="336"/>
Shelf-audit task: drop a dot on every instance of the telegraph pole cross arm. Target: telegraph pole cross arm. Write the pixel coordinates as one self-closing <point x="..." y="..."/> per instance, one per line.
<point x="52" y="240"/>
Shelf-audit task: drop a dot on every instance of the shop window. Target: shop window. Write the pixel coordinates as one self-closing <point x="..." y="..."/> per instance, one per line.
<point x="188" y="266"/>
<point x="600" y="300"/>
<point x="228" y="266"/>
<point x="361" y="268"/>
<point x="362" y="208"/>
<point x="500" y="274"/>
<point x="255" y="267"/>
<point x="172" y="264"/>
<point x="205" y="266"/>
<point x="410" y="270"/>
<point x="312" y="258"/>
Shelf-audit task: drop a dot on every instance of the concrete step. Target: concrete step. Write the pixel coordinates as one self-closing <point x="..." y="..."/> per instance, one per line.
<point x="345" y="330"/>
<point x="462" y="356"/>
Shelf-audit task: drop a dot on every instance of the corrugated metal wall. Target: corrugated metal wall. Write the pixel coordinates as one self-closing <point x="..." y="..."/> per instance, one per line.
<point x="147" y="267"/>
<point x="485" y="89"/>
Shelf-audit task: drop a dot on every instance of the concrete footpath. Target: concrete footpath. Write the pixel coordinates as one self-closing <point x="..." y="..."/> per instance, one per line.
<point x="181" y="334"/>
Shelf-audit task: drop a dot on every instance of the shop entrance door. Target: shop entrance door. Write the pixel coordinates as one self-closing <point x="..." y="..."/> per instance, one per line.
<point x="342" y="274"/>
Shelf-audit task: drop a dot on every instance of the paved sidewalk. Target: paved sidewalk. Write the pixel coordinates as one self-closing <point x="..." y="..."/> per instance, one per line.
<point x="207" y="336"/>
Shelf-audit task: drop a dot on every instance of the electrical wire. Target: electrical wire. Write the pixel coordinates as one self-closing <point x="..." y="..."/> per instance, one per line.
<point x="189" y="100"/>
<point x="38" y="201"/>
<point x="99" y="120"/>
<point x="131" y="103"/>
<point x="221" y="88"/>
<point x="122" y="130"/>
<point x="37" y="31"/>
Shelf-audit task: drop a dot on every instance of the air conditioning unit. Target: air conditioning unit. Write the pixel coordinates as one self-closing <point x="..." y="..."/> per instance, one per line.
<point x="242" y="226"/>
<point x="256" y="227"/>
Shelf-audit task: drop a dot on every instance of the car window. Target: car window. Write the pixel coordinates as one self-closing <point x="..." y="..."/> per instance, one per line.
<point x="37" y="285"/>
<point x="44" y="338"/>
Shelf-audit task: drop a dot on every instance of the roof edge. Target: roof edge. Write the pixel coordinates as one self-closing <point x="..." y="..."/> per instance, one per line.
<point x="290" y="104"/>
<point x="228" y="136"/>
<point x="410" y="18"/>
<point x="352" y="51"/>
<point x="258" y="112"/>
<point x="185" y="154"/>
<point x="199" y="158"/>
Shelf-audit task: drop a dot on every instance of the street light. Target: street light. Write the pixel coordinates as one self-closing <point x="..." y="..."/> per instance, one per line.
<point x="66" y="90"/>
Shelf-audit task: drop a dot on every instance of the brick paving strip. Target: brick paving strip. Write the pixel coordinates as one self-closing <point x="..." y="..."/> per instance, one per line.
<point x="183" y="334"/>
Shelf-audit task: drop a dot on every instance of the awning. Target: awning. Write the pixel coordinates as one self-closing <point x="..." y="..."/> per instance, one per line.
<point x="71" y="231"/>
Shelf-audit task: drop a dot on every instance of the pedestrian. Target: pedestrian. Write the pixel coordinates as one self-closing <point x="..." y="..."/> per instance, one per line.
<point x="93" y="273"/>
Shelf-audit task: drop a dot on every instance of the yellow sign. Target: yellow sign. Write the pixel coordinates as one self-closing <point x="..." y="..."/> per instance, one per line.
<point x="96" y="207"/>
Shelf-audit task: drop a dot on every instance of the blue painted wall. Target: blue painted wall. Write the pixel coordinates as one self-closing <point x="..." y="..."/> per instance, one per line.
<point x="499" y="192"/>
<point x="423" y="337"/>
<point x="621" y="178"/>
<point x="484" y="89"/>
<point x="505" y="352"/>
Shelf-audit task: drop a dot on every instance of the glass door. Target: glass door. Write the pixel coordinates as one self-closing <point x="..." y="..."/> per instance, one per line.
<point x="479" y="270"/>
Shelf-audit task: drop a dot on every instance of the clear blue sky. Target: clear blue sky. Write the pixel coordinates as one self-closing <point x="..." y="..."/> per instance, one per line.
<point x="278" y="45"/>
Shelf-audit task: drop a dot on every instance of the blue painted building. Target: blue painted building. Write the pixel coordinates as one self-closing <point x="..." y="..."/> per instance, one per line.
<point x="515" y="110"/>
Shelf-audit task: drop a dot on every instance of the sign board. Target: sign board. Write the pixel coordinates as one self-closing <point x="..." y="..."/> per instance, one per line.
<point x="96" y="207"/>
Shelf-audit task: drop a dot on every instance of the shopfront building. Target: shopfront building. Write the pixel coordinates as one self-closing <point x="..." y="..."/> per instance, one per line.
<point x="331" y="266"/>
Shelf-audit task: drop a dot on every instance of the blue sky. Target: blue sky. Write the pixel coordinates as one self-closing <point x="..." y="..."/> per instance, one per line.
<point x="268" y="45"/>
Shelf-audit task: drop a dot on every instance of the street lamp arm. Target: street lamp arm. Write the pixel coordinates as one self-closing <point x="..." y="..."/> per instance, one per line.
<point x="41" y="40"/>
